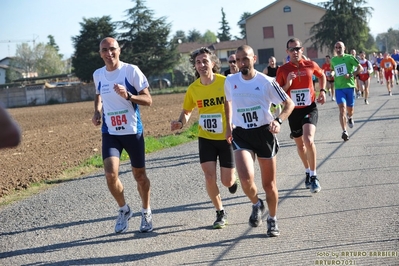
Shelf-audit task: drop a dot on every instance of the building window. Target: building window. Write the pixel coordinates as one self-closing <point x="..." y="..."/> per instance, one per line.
<point x="287" y="9"/>
<point x="290" y="29"/>
<point x="264" y="55"/>
<point x="230" y="52"/>
<point x="311" y="52"/>
<point x="268" y="32"/>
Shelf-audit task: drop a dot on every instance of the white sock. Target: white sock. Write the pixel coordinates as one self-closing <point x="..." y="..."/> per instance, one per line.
<point x="125" y="208"/>
<point x="272" y="218"/>
<point x="148" y="211"/>
<point x="312" y="173"/>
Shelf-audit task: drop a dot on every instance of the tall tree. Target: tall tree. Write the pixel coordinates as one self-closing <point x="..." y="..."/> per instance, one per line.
<point x="241" y="24"/>
<point x="209" y="37"/>
<point x="25" y="59"/>
<point x="344" y="20"/>
<point x="184" y="71"/>
<point x="388" y="41"/>
<point x="86" y="58"/>
<point x="224" y="35"/>
<point x="51" y="42"/>
<point x="39" y="60"/>
<point x="370" y="44"/>
<point x="144" y="41"/>
<point x="179" y="37"/>
<point x="12" y="73"/>
<point x="48" y="61"/>
<point x="194" y="36"/>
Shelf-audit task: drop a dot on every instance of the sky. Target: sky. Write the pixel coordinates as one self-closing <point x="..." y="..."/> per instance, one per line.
<point x="31" y="21"/>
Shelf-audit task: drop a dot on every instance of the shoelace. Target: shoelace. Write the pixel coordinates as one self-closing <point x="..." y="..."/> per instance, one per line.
<point x="121" y="216"/>
<point x="257" y="212"/>
<point x="272" y="225"/>
<point x="146" y="218"/>
<point x="219" y="216"/>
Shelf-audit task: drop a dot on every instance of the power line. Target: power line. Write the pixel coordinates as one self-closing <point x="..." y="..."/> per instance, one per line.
<point x="13" y="41"/>
<point x="33" y="40"/>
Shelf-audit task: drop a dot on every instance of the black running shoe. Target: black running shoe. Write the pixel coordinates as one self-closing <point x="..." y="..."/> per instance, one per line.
<point x="315" y="185"/>
<point x="351" y="123"/>
<point x="234" y="187"/>
<point x="307" y="180"/>
<point x="221" y="220"/>
<point x="345" y="136"/>
<point x="272" y="228"/>
<point x="256" y="216"/>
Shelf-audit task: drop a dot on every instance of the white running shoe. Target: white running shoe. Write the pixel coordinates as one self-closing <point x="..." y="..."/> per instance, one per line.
<point x="146" y="222"/>
<point x="122" y="222"/>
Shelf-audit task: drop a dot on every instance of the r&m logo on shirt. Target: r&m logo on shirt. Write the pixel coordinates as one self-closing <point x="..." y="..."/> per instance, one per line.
<point x="210" y="102"/>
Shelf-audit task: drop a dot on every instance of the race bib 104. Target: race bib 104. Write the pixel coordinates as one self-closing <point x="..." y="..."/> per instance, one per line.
<point x="250" y="116"/>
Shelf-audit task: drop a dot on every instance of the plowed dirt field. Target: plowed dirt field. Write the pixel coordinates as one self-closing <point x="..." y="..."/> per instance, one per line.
<point x="58" y="137"/>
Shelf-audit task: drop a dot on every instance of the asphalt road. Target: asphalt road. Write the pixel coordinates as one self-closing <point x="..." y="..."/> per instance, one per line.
<point x="352" y="221"/>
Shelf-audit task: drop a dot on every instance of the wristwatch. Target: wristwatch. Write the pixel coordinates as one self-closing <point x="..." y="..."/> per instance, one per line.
<point x="278" y="119"/>
<point x="129" y="96"/>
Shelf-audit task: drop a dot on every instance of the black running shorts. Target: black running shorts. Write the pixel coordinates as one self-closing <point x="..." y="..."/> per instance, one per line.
<point x="259" y="140"/>
<point x="210" y="150"/>
<point x="301" y="116"/>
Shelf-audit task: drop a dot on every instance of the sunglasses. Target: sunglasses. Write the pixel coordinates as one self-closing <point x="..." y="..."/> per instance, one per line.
<point x="291" y="49"/>
<point x="232" y="61"/>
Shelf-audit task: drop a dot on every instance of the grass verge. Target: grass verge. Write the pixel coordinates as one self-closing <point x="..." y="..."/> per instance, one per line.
<point x="95" y="164"/>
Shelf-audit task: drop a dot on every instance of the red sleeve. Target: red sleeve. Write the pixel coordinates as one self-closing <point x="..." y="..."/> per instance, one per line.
<point x="280" y="79"/>
<point x="318" y="72"/>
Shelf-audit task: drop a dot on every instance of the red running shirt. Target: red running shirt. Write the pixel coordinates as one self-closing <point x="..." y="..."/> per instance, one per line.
<point x="301" y="90"/>
<point x="327" y="71"/>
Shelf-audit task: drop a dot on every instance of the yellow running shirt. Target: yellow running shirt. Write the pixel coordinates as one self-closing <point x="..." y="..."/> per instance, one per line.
<point x="209" y="99"/>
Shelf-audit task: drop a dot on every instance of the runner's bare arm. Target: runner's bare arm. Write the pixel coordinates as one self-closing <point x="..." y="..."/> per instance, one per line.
<point x="227" y="110"/>
<point x="183" y="119"/>
<point x="96" y="119"/>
